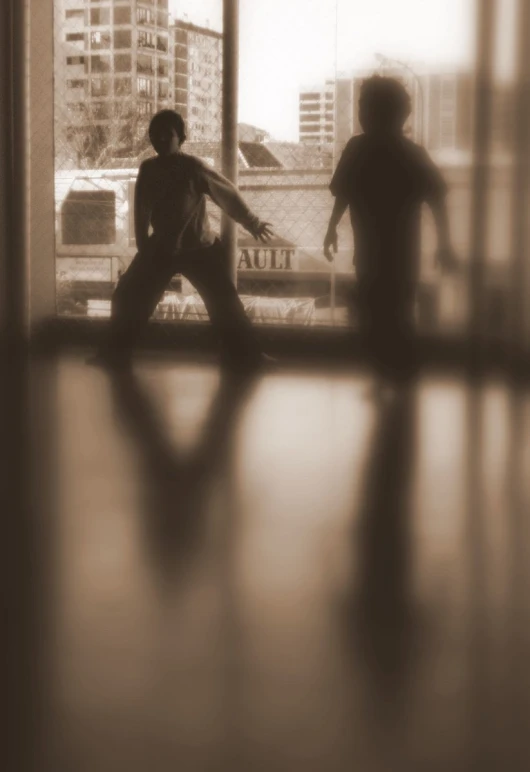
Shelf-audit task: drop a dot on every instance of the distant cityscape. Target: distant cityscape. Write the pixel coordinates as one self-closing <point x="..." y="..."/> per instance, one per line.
<point x="116" y="64"/>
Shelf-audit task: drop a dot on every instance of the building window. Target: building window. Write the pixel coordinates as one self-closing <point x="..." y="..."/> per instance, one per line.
<point x="145" y="63"/>
<point x="75" y="13"/>
<point x="122" y="38"/>
<point x="122" y="15"/>
<point x="74" y="37"/>
<point x="163" y="69"/>
<point x="100" y="63"/>
<point x="101" y="110"/>
<point x="163" y="90"/>
<point x="122" y="86"/>
<point x="89" y="217"/>
<point x="146" y="39"/>
<point x="144" y="108"/>
<point x="75" y="60"/>
<point x="161" y="43"/>
<point x="75" y="83"/>
<point x="145" y="16"/>
<point x="99" y="16"/>
<point x="145" y="87"/>
<point x="100" y="86"/>
<point x="100" y="39"/>
<point x="75" y="108"/>
<point x="181" y="82"/>
<point x="122" y="63"/>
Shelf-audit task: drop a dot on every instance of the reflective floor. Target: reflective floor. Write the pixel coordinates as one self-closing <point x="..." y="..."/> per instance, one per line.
<point x="283" y="577"/>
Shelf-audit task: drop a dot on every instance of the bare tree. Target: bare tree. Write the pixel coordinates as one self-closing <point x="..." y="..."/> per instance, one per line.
<point x="96" y="135"/>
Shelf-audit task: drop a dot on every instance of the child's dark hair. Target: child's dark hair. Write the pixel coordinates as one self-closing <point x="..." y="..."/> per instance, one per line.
<point x="166" y="118"/>
<point x="384" y="102"/>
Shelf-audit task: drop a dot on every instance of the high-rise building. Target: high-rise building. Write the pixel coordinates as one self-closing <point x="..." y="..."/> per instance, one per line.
<point x="197" y="77"/>
<point x="317" y="114"/>
<point x="120" y="61"/>
<point x="441" y="118"/>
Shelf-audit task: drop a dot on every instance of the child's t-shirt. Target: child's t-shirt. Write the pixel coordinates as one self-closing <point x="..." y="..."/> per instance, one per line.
<point x="385" y="180"/>
<point x="173" y="191"/>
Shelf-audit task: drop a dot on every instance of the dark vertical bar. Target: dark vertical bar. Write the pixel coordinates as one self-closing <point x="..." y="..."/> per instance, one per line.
<point x="480" y="176"/>
<point x="229" y="123"/>
<point x="521" y="185"/>
<point x="15" y="506"/>
<point x="16" y="257"/>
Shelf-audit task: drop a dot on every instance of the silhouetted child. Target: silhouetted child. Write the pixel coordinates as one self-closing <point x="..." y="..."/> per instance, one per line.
<point x="170" y="196"/>
<point x="384" y="178"/>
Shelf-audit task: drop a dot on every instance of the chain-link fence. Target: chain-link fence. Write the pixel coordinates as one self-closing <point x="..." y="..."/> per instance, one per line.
<point x="117" y="63"/>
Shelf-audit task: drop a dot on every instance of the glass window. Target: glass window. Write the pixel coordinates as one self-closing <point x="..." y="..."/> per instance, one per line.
<point x="161" y="43"/>
<point x="75" y="60"/>
<point x="99" y="16"/>
<point x="75" y="13"/>
<point x="100" y="39"/>
<point x="146" y="39"/>
<point x="145" y="63"/>
<point x="145" y="87"/>
<point x="122" y="38"/>
<point x="145" y="16"/>
<point x="74" y="37"/>
<point x="122" y="15"/>
<point x="100" y="86"/>
<point x="144" y="108"/>
<point x="123" y="86"/>
<point x="122" y="63"/>
<point x="100" y="63"/>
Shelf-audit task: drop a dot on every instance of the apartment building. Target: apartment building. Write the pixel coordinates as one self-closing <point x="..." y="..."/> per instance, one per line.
<point x="441" y="116"/>
<point x="317" y="114"/>
<point x="197" y="78"/>
<point x="120" y="61"/>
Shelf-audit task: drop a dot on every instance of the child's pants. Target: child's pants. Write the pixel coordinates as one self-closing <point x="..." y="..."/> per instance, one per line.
<point x="386" y="326"/>
<point x="142" y="286"/>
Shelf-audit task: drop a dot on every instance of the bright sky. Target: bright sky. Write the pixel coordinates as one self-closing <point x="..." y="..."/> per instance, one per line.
<point x="285" y="44"/>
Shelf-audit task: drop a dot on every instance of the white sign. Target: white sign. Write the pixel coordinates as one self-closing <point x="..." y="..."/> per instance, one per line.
<point x="266" y="259"/>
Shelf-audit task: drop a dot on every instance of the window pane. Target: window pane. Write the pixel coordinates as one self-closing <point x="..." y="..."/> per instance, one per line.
<point x="99" y="16"/>
<point x="122" y="62"/>
<point x="100" y="63"/>
<point x="122" y="39"/>
<point x="122" y="15"/>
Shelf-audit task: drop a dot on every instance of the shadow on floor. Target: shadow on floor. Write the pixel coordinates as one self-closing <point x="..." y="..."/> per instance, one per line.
<point x="177" y="486"/>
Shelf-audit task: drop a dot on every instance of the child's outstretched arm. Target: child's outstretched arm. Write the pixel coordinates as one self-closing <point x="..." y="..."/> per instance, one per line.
<point x="229" y="199"/>
<point x="142" y="211"/>
<point x="331" y="240"/>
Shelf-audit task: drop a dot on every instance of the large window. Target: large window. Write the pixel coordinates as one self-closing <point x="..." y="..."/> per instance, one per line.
<point x="298" y="107"/>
